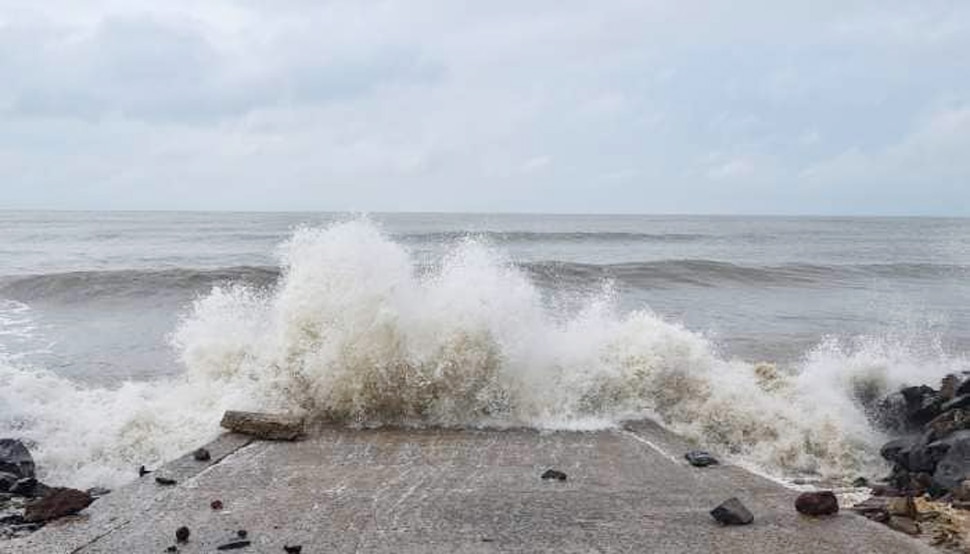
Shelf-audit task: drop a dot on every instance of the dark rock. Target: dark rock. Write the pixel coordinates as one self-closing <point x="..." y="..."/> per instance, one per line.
<point x="961" y="401"/>
<point x="7" y="480"/>
<point x="142" y="471"/>
<point x="165" y="481"/>
<point x="12" y="519"/>
<point x="15" y="458"/>
<point x="182" y="534"/>
<point x="923" y="456"/>
<point x="954" y="467"/>
<point x="892" y="450"/>
<point x="172" y="548"/>
<point x="732" y="512"/>
<point x="903" y="506"/>
<point x="554" y="474"/>
<point x="216" y="504"/>
<point x="295" y="549"/>
<point x="860" y="482"/>
<point x="949" y="386"/>
<point x="964" y="388"/>
<point x="29" y="487"/>
<point x="58" y="502"/>
<point x="233" y="545"/>
<point x="948" y="422"/>
<point x="699" y="458"/>
<point x="922" y="404"/>
<point x="821" y="503"/>
<point x="903" y="525"/>
<point x="242" y="533"/>
<point x="202" y="455"/>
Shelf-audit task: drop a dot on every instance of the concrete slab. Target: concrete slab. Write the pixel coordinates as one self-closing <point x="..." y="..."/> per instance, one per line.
<point x="457" y="491"/>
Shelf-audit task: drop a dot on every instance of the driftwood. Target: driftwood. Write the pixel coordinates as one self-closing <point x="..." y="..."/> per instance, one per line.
<point x="276" y="427"/>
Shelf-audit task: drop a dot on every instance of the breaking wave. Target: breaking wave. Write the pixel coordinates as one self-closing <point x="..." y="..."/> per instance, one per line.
<point x="354" y="331"/>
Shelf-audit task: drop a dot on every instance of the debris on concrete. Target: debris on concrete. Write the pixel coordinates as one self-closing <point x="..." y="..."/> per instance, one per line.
<point x="699" y="458"/>
<point x="182" y="534"/>
<point x="216" y="504"/>
<point x="143" y="472"/>
<point x="554" y="474"/>
<point x="295" y="549"/>
<point x="819" y="503"/>
<point x="234" y="545"/>
<point x="265" y="426"/>
<point x="732" y="512"/>
<point x="165" y="481"/>
<point x="58" y="502"/>
<point x="202" y="455"/>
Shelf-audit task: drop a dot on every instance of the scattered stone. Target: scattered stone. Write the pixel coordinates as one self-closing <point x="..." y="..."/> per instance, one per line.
<point x="165" y="481"/>
<point x="182" y="534"/>
<point x="16" y="459"/>
<point x="98" y="492"/>
<point x="172" y="548"/>
<point x="56" y="503"/>
<point x="949" y="386"/>
<point x="903" y="506"/>
<point x="903" y="525"/>
<point x="732" y="512"/>
<point x="821" y="503"/>
<point x="264" y="426"/>
<point x="554" y="474"/>
<point x="202" y="455"/>
<point x="7" y="480"/>
<point x="216" y="504"/>
<point x="954" y="467"/>
<point x="142" y="471"/>
<point x="860" y="482"/>
<point x="884" y="490"/>
<point x="296" y="549"/>
<point x="961" y="401"/>
<point x="29" y="487"/>
<point x="242" y="533"/>
<point x="699" y="458"/>
<point x="233" y="545"/>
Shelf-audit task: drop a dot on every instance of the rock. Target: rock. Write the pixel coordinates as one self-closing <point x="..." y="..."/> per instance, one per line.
<point x="962" y="491"/>
<point x="172" y="548"/>
<point x="885" y="490"/>
<point x="821" y="503"/>
<point x="903" y="525"/>
<point x="182" y="534"/>
<point x="903" y="506"/>
<point x="216" y="504"/>
<point x="165" y="481"/>
<point x="954" y="467"/>
<point x="233" y="545"/>
<point x="202" y="455"/>
<point x="923" y="456"/>
<point x="892" y="450"/>
<point x="860" y="482"/>
<point x="955" y="403"/>
<point x="58" y="502"/>
<point x="297" y="549"/>
<point x="7" y="480"/>
<point x="29" y="487"/>
<point x="554" y="474"/>
<point x="242" y="533"/>
<point x="98" y="492"/>
<point x="16" y="459"/>
<point x="922" y="404"/>
<point x="948" y="422"/>
<point x="732" y="512"/>
<point x="949" y="386"/>
<point x="699" y="458"/>
<point x="264" y="426"/>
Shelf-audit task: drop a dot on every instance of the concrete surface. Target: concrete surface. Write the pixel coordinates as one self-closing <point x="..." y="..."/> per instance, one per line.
<point x="450" y="491"/>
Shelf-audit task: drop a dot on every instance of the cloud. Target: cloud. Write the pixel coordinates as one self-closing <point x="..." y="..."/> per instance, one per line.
<point x="429" y="105"/>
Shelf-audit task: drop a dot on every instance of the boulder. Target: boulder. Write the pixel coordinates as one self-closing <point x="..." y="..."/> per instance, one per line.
<point x="820" y="503"/>
<point x="903" y="525"/>
<point x="7" y="480"/>
<point x="265" y="426"/>
<point x="699" y="458"/>
<point x="948" y="422"/>
<point x="16" y="459"/>
<point x="892" y="451"/>
<point x="949" y="386"/>
<point x="954" y="467"/>
<point x="58" y="502"/>
<point x="961" y="401"/>
<point x="29" y="487"/>
<point x="903" y="506"/>
<point x="732" y="512"/>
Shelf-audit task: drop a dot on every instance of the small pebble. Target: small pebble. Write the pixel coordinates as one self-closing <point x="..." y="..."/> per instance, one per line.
<point x="182" y="534"/>
<point x="554" y="474"/>
<point x="233" y="545"/>
<point x="172" y="548"/>
<point x="216" y="504"/>
<point x="165" y="481"/>
<point x="202" y="455"/>
<point x="295" y="549"/>
<point x="242" y="533"/>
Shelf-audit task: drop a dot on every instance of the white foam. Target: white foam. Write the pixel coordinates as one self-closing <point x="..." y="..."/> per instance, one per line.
<point x="354" y="333"/>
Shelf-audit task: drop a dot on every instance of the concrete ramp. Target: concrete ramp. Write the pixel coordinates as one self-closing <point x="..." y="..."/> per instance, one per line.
<point x="455" y="491"/>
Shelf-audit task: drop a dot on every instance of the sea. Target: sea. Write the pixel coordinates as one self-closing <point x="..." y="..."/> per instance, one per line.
<point x="124" y="336"/>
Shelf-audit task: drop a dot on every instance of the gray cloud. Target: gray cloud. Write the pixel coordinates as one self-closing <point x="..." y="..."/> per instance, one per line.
<point x="691" y="106"/>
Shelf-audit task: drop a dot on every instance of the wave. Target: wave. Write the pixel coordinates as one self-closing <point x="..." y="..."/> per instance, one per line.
<point x="355" y="331"/>
<point x="87" y="285"/>
<point x="500" y="237"/>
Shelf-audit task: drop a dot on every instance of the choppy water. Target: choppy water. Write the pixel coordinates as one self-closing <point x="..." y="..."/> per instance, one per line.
<point x="116" y="349"/>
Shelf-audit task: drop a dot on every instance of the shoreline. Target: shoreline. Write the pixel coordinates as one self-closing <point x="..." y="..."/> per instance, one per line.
<point x="439" y="490"/>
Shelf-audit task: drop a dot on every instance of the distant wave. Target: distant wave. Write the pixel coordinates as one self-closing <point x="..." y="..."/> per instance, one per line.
<point x="128" y="283"/>
<point x="535" y="236"/>
<point x="87" y="285"/>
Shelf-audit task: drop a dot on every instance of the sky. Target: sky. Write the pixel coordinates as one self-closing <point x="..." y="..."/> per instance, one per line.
<point x="649" y="106"/>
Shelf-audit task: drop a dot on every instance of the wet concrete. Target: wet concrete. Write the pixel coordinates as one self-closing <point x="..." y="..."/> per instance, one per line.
<point x="455" y="491"/>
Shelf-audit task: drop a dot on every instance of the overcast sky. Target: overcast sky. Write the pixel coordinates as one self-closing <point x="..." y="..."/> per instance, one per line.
<point x="650" y="106"/>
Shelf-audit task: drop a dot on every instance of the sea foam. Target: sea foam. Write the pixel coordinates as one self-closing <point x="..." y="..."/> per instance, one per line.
<point x="358" y="332"/>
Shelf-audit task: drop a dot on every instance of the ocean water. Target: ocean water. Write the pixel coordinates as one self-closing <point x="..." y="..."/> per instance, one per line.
<point x="124" y="336"/>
